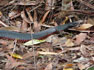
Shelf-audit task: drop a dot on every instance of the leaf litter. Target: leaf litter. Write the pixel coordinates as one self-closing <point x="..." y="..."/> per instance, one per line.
<point x="71" y="49"/>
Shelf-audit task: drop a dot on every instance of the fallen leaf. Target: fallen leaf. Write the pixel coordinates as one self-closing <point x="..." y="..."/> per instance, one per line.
<point x="27" y="2"/>
<point x="29" y="54"/>
<point x="37" y="26"/>
<point x="91" y="21"/>
<point x="12" y="14"/>
<point x="35" y="15"/>
<point x="80" y="38"/>
<point x="84" y="26"/>
<point x="52" y="38"/>
<point x="4" y="24"/>
<point x="33" y="42"/>
<point x="44" y="17"/>
<point x="47" y="53"/>
<point x="24" y="26"/>
<point x="1" y="14"/>
<point x="16" y="55"/>
<point x="3" y="42"/>
<point x="29" y="15"/>
<point x="69" y="43"/>
<point x="68" y="69"/>
<point x="10" y="28"/>
<point x="85" y="50"/>
<point x="68" y="65"/>
<point x="11" y="63"/>
<point x="48" y="67"/>
<point x="81" y="59"/>
<point x="81" y="66"/>
<point x="90" y="68"/>
<point x="23" y="15"/>
<point x="49" y="4"/>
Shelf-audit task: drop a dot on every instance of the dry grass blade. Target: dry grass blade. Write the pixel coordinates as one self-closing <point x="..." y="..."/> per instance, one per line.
<point x="24" y="17"/>
<point x="30" y="17"/>
<point x="44" y="17"/>
<point x="2" y="23"/>
<point x="11" y="63"/>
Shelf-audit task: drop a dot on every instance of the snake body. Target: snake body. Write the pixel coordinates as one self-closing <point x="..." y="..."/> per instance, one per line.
<point x="38" y="35"/>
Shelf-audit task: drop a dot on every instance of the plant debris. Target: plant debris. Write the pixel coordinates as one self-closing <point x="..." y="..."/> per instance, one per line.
<point x="70" y="49"/>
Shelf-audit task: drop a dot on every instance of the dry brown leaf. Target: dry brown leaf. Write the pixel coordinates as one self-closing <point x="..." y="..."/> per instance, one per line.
<point x="10" y="46"/>
<point x="84" y="26"/>
<point x="46" y="47"/>
<point x="4" y="24"/>
<point x="80" y="38"/>
<point x="26" y="2"/>
<point x="3" y="42"/>
<point x="69" y="43"/>
<point x="48" y="67"/>
<point x="30" y="17"/>
<point x="52" y="38"/>
<point x="44" y="17"/>
<point x="29" y="54"/>
<point x="85" y="51"/>
<point x="24" y="26"/>
<point x="6" y="45"/>
<point x="35" y="15"/>
<point x="11" y="63"/>
<point x="74" y="48"/>
<point x="18" y="24"/>
<point x="24" y="17"/>
<point x="10" y="28"/>
<point x="4" y="2"/>
<point x="81" y="66"/>
<point x="50" y="4"/>
<point x="91" y="21"/>
<point x="55" y="40"/>
<point x="71" y="5"/>
<point x="12" y="14"/>
<point x="37" y="26"/>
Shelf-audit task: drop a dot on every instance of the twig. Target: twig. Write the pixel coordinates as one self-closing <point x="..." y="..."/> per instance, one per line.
<point x="35" y="8"/>
<point x="87" y="4"/>
<point x="15" y="42"/>
<point x="78" y="11"/>
<point x="3" y="24"/>
<point x="34" y="53"/>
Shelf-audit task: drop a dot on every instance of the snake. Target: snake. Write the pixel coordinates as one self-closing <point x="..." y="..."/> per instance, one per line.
<point x="23" y="37"/>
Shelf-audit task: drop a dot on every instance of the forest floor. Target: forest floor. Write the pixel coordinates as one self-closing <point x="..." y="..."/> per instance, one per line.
<point x="68" y="49"/>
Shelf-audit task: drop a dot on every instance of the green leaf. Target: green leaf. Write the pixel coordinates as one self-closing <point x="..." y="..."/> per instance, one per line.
<point x="91" y="68"/>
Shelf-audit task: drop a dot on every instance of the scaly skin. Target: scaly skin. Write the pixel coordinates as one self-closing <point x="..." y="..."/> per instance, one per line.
<point x="39" y="35"/>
